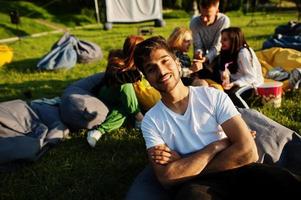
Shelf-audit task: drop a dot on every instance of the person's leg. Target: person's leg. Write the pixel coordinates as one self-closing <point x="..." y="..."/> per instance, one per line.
<point x="254" y="181"/>
<point x="117" y="116"/>
<point x="147" y="187"/>
<point x="195" y="191"/>
<point x="114" y="120"/>
<point x="268" y="182"/>
<point x="129" y="103"/>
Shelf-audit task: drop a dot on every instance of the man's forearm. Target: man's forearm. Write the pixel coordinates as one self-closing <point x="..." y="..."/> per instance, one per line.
<point x="232" y="157"/>
<point x="189" y="167"/>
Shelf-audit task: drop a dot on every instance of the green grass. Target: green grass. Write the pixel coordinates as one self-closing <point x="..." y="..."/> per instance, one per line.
<point x="73" y="170"/>
<point x="30" y="12"/>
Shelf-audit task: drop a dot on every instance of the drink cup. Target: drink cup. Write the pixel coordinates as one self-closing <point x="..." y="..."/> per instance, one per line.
<point x="271" y="93"/>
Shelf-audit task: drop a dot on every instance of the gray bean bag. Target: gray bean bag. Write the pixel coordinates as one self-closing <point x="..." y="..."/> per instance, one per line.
<point x="80" y="109"/>
<point x="23" y="134"/>
<point x="276" y="144"/>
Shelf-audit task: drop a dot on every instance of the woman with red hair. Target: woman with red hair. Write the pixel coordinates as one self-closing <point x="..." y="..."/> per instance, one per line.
<point x="116" y="90"/>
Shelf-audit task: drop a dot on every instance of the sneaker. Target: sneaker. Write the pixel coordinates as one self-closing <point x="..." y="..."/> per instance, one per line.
<point x="295" y="78"/>
<point x="93" y="136"/>
<point x="278" y="74"/>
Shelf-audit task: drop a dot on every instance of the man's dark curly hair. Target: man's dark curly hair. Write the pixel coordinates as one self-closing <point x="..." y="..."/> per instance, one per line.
<point x="144" y="49"/>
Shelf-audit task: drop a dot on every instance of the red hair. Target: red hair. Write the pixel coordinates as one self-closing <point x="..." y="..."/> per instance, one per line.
<point x="129" y="47"/>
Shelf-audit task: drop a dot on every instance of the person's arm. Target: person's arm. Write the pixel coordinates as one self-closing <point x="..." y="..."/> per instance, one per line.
<point x="195" y="67"/>
<point x="248" y="71"/>
<point x="187" y="167"/>
<point x="215" y="48"/>
<point x="242" y="150"/>
<point x="237" y="150"/>
<point x="195" y="27"/>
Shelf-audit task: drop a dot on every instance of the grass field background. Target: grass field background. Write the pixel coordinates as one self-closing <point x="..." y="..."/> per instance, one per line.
<point x="73" y="170"/>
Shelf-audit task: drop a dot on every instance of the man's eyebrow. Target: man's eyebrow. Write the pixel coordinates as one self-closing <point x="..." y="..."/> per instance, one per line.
<point x="164" y="56"/>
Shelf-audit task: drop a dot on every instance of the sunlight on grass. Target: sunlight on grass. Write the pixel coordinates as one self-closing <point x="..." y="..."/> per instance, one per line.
<point x="73" y="170"/>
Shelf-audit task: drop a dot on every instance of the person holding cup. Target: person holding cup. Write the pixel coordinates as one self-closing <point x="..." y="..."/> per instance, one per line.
<point x="238" y="64"/>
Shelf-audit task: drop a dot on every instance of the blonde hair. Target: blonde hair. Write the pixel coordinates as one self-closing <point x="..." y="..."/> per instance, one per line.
<point x="176" y="38"/>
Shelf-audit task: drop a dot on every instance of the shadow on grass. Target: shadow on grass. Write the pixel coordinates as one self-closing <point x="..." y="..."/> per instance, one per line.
<point x="14" y="31"/>
<point x="30" y="90"/>
<point x="258" y="37"/>
<point x="24" y="66"/>
<point x="74" y="170"/>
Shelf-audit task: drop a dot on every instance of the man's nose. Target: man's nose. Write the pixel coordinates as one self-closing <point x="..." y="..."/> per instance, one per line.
<point x="161" y="69"/>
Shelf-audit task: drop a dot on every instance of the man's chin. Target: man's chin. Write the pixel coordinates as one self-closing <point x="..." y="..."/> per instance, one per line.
<point x="166" y="88"/>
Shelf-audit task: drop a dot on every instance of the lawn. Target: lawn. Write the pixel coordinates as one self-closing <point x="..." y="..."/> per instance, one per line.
<point x="73" y="170"/>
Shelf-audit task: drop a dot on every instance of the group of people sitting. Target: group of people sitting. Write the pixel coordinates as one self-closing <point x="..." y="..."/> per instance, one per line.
<point x="221" y="59"/>
<point x="198" y="145"/>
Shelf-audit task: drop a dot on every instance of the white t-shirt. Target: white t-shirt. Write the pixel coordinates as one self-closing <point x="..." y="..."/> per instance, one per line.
<point x="207" y="109"/>
<point x="249" y="69"/>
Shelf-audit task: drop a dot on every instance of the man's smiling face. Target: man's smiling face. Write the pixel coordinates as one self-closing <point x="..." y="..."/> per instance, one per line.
<point x="162" y="70"/>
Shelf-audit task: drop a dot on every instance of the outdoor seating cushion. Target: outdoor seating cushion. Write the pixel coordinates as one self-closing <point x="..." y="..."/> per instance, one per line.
<point x="49" y="115"/>
<point x="147" y="95"/>
<point x="79" y="108"/>
<point x="6" y="54"/>
<point x="22" y="134"/>
<point x="286" y="58"/>
<point x="276" y="144"/>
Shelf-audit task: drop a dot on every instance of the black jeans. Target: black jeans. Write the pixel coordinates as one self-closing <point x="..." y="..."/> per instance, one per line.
<point x="255" y="181"/>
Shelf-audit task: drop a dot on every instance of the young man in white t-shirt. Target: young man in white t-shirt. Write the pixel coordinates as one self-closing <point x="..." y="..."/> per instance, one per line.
<point x="195" y="137"/>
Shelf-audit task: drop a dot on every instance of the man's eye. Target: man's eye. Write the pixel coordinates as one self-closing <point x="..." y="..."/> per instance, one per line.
<point x="165" y="61"/>
<point x="150" y="70"/>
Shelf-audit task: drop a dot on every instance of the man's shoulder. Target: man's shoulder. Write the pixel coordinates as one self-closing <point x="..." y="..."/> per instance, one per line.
<point x="195" y="21"/>
<point x="205" y="93"/>
<point x="246" y="52"/>
<point x="155" y="110"/>
<point x="222" y="18"/>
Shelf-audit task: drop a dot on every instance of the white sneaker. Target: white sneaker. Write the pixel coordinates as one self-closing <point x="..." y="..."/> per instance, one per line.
<point x="93" y="136"/>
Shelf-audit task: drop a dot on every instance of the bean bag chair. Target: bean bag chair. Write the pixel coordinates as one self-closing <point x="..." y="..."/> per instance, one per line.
<point x="6" y="55"/>
<point x="88" y="52"/>
<point x="147" y="95"/>
<point x="286" y="58"/>
<point x="24" y="134"/>
<point x="61" y="55"/>
<point x="79" y="108"/>
<point x="291" y="28"/>
<point x="284" y="41"/>
<point x="69" y="50"/>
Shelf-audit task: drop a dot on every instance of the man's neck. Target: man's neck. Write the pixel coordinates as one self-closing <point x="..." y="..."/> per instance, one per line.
<point x="177" y="99"/>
